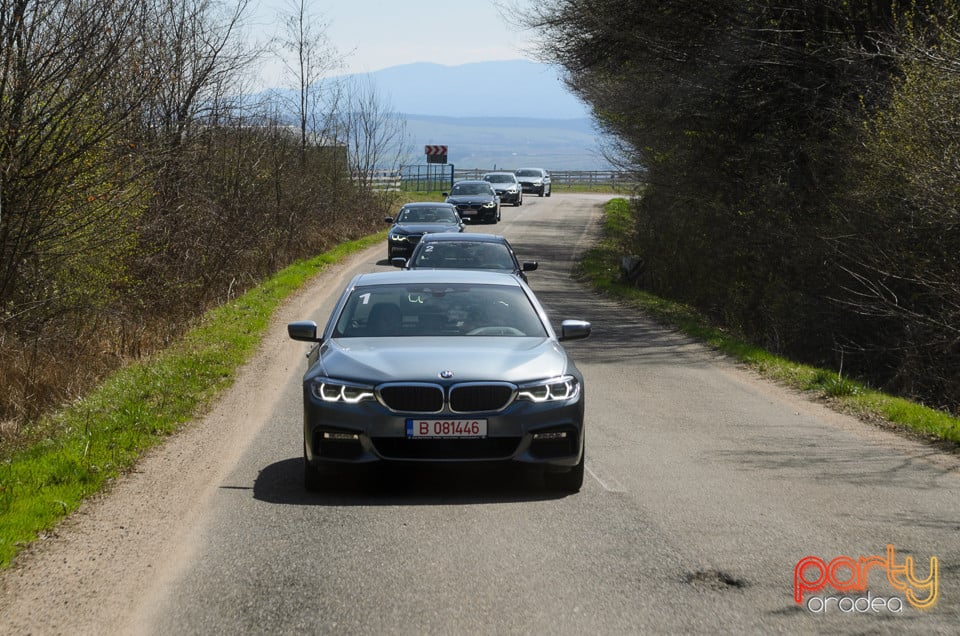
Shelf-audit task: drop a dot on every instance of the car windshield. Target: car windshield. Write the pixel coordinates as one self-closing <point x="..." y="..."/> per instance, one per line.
<point x="499" y="178"/>
<point x="464" y="255"/>
<point x="427" y="215"/>
<point x="470" y="188"/>
<point x="399" y="310"/>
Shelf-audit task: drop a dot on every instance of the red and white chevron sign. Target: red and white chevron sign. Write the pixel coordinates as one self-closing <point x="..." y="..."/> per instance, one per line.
<point x="435" y="150"/>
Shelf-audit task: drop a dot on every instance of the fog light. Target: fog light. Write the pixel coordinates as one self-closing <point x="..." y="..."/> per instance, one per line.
<point x="340" y="437"/>
<point x="550" y="435"/>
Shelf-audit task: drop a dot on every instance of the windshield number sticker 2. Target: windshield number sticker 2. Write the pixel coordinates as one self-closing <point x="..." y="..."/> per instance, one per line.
<point x="427" y="429"/>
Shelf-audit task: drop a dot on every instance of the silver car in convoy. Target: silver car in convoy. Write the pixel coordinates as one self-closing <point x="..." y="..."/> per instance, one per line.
<point x="536" y="180"/>
<point x="442" y="366"/>
<point x="507" y="187"/>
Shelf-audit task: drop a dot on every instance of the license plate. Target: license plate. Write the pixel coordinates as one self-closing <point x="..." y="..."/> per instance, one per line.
<point x="468" y="212"/>
<point x="446" y="429"/>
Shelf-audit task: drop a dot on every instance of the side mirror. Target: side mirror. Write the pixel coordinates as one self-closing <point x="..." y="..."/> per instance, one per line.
<point x="398" y="261"/>
<point x="444" y="194"/>
<point x="529" y="266"/>
<point x="574" y="329"/>
<point x="305" y="330"/>
<point x="389" y="219"/>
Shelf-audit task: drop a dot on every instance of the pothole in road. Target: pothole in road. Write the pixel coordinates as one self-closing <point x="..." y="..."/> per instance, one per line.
<point x="713" y="580"/>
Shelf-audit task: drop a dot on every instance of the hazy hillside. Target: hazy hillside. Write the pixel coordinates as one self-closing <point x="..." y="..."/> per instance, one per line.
<point x="509" y="142"/>
<point x="506" y="114"/>
<point x="515" y="88"/>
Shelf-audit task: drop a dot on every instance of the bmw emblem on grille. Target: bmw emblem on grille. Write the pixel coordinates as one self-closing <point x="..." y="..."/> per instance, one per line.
<point x="446" y="375"/>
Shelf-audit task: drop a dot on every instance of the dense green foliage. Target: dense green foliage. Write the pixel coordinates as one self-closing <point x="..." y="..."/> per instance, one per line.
<point x="802" y="169"/>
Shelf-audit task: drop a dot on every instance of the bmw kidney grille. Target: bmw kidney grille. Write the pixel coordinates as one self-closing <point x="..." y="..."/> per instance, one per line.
<point x="469" y="397"/>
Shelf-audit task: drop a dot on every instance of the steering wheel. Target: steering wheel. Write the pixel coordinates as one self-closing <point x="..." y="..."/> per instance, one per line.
<point x="495" y="331"/>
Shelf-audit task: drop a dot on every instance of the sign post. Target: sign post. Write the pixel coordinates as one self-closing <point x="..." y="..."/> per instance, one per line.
<point x="436" y="154"/>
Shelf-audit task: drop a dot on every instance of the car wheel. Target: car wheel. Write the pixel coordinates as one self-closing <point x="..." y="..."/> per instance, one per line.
<point x="549" y="191"/>
<point x="540" y="192"/>
<point x="570" y="481"/>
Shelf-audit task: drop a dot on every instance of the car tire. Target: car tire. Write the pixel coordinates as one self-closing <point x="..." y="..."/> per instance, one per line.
<point x="549" y="191"/>
<point x="540" y="192"/>
<point x="570" y="481"/>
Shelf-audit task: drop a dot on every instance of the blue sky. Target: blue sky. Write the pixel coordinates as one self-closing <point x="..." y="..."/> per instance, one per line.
<point x="375" y="34"/>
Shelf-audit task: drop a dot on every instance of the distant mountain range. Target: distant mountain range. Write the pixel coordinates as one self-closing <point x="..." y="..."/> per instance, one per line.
<point x="514" y="88"/>
<point x="508" y="142"/>
<point x="506" y="114"/>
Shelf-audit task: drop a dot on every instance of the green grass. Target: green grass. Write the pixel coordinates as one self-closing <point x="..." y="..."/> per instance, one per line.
<point x="98" y="438"/>
<point x="600" y="266"/>
<point x="602" y="188"/>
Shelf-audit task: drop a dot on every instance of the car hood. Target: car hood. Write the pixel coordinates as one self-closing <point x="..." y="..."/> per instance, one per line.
<point x="414" y="359"/>
<point x="469" y="198"/>
<point x="424" y="228"/>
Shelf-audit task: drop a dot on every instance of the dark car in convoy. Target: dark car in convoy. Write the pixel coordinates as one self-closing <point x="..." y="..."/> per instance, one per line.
<point x="534" y="180"/>
<point x="470" y="250"/>
<point x="440" y="366"/>
<point x="414" y="220"/>
<point x="507" y="187"/>
<point x="476" y="200"/>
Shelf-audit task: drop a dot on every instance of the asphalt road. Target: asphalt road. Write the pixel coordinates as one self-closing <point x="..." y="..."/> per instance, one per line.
<point x="705" y="487"/>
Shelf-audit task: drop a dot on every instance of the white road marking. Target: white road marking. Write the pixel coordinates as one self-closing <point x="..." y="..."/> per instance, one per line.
<point x="609" y="482"/>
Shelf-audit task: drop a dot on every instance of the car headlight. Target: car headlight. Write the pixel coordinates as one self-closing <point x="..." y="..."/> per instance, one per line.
<point x="335" y="391"/>
<point x="552" y="390"/>
<point x="490" y="204"/>
<point x="399" y="238"/>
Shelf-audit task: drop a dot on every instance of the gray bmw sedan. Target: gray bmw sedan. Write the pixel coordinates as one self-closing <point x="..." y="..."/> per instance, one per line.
<point x="442" y="366"/>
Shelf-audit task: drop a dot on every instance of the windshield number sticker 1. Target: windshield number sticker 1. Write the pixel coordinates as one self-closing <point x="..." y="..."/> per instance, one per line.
<point x="446" y="428"/>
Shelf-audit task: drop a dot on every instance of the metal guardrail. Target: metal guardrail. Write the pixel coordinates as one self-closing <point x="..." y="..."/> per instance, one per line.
<point x="440" y="177"/>
<point x="432" y="177"/>
<point x="590" y="179"/>
<point x="386" y="181"/>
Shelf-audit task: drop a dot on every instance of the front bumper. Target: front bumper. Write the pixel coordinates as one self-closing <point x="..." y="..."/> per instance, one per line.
<point x="403" y="247"/>
<point x="547" y="434"/>
<point x="474" y="213"/>
<point x="532" y="186"/>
